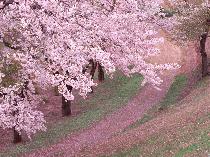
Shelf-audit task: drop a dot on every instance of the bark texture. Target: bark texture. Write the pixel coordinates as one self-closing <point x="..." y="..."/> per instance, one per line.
<point x="66" y="104"/>
<point x="17" y="137"/>
<point x="100" y="72"/>
<point x="203" y="39"/>
<point x="93" y="68"/>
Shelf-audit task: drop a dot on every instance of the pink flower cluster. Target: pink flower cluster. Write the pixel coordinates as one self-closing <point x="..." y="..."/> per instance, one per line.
<point x="55" y="40"/>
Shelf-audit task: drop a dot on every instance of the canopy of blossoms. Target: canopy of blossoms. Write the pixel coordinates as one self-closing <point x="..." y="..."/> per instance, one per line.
<point x="53" y="40"/>
<point x="60" y="36"/>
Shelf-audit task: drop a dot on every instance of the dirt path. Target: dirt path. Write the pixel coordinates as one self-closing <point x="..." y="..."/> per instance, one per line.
<point x="110" y="125"/>
<point x="169" y="123"/>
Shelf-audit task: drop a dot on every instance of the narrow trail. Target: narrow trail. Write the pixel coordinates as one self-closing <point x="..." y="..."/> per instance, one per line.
<point x="111" y="124"/>
<point x="168" y="123"/>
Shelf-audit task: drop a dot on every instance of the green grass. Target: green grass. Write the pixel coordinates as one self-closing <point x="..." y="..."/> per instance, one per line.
<point x="200" y="146"/>
<point x="107" y="97"/>
<point x="184" y="151"/>
<point x="202" y="83"/>
<point x="174" y="91"/>
<point x="171" y="97"/>
<point x="189" y="139"/>
<point x="159" y="145"/>
<point x="133" y="152"/>
<point x="144" y="119"/>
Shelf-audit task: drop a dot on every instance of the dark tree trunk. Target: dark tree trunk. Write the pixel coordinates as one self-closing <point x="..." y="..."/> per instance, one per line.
<point x="17" y="137"/>
<point x="93" y="68"/>
<point x="100" y="73"/>
<point x="66" y="104"/>
<point x="56" y="91"/>
<point x="204" y="65"/>
<point x="66" y="107"/>
<point x="56" y="88"/>
<point x="203" y="54"/>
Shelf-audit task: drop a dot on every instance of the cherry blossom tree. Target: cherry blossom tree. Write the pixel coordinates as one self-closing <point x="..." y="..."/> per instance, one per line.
<point x="18" y="103"/>
<point x="191" y="22"/>
<point x="128" y="31"/>
<point x="55" y="40"/>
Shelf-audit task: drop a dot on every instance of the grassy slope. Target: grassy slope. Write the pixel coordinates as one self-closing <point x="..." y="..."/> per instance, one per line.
<point x="191" y="140"/>
<point x="108" y="96"/>
<point x="171" y="97"/>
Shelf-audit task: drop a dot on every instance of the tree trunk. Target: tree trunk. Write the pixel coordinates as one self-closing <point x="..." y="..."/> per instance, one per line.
<point x="66" y="107"/>
<point x="56" y="91"/>
<point x="17" y="137"/>
<point x="203" y="54"/>
<point x="66" y="104"/>
<point x="93" y="70"/>
<point x="204" y="65"/>
<point x="100" y="73"/>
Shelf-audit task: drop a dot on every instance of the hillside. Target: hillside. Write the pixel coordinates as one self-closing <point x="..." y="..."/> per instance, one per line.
<point x="105" y="107"/>
<point x="181" y="130"/>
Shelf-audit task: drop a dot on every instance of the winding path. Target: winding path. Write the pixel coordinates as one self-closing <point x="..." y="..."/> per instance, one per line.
<point x="111" y="124"/>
